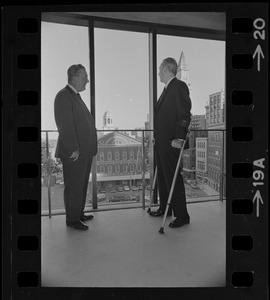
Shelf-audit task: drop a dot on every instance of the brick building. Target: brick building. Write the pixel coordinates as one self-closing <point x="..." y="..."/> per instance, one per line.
<point x="119" y="160"/>
<point x="215" y="119"/>
<point x="197" y="123"/>
<point x="201" y="159"/>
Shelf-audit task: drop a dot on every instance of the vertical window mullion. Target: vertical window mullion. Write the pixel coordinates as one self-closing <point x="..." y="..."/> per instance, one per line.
<point x="152" y="95"/>
<point x="92" y="105"/>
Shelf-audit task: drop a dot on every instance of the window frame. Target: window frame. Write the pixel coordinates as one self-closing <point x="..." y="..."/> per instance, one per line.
<point x="153" y="30"/>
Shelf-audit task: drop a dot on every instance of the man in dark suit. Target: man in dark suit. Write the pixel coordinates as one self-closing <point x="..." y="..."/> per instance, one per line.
<point x="77" y="144"/>
<point x="171" y="122"/>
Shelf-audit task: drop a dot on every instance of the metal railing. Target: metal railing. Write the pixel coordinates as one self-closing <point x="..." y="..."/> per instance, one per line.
<point x="52" y="177"/>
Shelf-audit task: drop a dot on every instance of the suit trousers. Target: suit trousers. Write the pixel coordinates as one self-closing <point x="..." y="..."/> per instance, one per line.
<point x="166" y="164"/>
<point x="76" y="177"/>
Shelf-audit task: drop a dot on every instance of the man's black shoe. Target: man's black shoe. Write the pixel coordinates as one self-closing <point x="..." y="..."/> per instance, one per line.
<point x="77" y="225"/>
<point x="179" y="222"/>
<point x="86" y="218"/>
<point x="158" y="213"/>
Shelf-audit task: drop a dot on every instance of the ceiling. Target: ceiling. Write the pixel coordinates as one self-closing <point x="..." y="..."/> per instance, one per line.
<point x="208" y="25"/>
<point x="203" y="20"/>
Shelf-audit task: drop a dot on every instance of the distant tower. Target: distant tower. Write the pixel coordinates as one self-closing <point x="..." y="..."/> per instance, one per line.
<point x="108" y="121"/>
<point x="183" y="70"/>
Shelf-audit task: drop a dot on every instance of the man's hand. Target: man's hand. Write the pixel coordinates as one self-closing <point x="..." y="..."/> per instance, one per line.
<point x="177" y="143"/>
<point x="75" y="155"/>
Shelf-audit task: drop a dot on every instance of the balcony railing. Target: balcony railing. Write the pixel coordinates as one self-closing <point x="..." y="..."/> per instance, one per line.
<point x="125" y="179"/>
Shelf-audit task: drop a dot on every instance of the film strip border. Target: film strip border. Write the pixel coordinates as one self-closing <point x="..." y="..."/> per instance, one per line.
<point x="22" y="145"/>
<point x="247" y="156"/>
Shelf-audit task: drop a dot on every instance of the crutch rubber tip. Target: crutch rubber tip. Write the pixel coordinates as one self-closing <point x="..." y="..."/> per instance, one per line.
<point x="161" y="230"/>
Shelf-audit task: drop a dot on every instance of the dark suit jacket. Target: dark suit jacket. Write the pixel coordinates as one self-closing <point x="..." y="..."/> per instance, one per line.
<point x="75" y="125"/>
<point x="172" y="114"/>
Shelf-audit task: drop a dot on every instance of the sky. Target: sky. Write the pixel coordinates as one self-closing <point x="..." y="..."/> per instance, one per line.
<point x="122" y="70"/>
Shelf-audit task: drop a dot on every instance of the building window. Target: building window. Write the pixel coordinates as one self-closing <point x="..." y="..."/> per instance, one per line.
<point x="101" y="156"/>
<point x="117" y="169"/>
<point x="116" y="155"/>
<point x="201" y="165"/>
<point x="131" y="155"/>
<point x="110" y="169"/>
<point x="124" y="168"/>
<point x="102" y="169"/>
<point x="139" y="155"/>
<point x="109" y="156"/>
<point x="125" y="155"/>
<point x="139" y="168"/>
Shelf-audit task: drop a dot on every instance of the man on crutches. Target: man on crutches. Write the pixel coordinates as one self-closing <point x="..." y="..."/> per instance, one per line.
<point x="171" y="121"/>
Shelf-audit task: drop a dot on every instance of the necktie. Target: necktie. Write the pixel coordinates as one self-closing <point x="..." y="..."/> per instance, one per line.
<point x="79" y="96"/>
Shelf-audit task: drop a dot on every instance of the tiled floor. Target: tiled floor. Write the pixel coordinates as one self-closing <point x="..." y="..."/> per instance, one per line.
<point x="123" y="248"/>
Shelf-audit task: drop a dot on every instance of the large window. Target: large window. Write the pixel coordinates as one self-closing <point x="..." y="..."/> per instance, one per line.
<point x="121" y="78"/>
<point x="60" y="50"/>
<point x="201" y="64"/>
<point x="123" y="92"/>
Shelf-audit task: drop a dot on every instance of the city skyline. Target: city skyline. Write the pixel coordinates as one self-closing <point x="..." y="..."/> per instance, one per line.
<point x="122" y="71"/>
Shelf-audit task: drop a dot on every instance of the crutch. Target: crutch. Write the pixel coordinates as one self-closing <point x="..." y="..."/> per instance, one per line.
<point x="152" y="191"/>
<point x="161" y="230"/>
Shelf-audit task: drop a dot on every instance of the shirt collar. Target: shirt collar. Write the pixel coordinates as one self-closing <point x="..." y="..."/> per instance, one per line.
<point x="73" y="89"/>
<point x="166" y="85"/>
